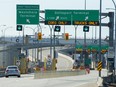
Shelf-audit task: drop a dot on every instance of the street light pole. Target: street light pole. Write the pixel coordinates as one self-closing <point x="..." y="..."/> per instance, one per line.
<point x="75" y="41"/>
<point x="4" y="45"/>
<point x="50" y="41"/>
<point x="100" y="36"/>
<point x="85" y="4"/>
<point x="1" y="26"/>
<point x="84" y="49"/>
<point x="115" y="39"/>
<point x="33" y="29"/>
<point x="41" y="47"/>
<point x="50" y="38"/>
<point x="23" y="33"/>
<point x="33" y="34"/>
<point x="4" y="32"/>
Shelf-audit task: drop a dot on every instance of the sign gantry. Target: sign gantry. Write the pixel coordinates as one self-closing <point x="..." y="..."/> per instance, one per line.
<point x="72" y="17"/>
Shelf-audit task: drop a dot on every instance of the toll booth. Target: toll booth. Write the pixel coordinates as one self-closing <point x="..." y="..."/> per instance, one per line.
<point x="49" y="63"/>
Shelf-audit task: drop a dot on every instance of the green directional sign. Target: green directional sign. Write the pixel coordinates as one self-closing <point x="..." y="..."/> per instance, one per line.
<point x="27" y="14"/>
<point x="91" y="47"/>
<point x="60" y="17"/>
<point x="72" y="17"/>
<point x="86" y="17"/>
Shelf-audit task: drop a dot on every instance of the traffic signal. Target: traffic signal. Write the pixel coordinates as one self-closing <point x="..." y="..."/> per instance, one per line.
<point x="57" y="28"/>
<point x="19" y="27"/>
<point x="103" y="51"/>
<point x="89" y="51"/>
<point x="66" y="36"/>
<point x="86" y="28"/>
<point x="39" y="36"/>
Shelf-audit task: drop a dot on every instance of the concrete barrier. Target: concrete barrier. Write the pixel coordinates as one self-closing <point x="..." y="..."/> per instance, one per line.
<point x="99" y="82"/>
<point x="54" y="74"/>
<point x="89" y="85"/>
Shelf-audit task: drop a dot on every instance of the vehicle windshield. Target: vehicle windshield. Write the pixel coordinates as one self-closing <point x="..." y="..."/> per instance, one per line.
<point x="12" y="67"/>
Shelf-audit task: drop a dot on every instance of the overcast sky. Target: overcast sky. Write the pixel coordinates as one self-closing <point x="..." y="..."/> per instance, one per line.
<point x="8" y="15"/>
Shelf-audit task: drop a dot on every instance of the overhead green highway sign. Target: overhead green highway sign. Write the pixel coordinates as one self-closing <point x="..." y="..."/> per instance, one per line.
<point x="72" y="17"/>
<point x="27" y="14"/>
<point x="60" y="17"/>
<point x="93" y="47"/>
<point x="86" y="17"/>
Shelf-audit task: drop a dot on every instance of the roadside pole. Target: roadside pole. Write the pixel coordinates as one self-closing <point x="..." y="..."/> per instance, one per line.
<point x="75" y="41"/>
<point x="41" y="44"/>
<point x="115" y="39"/>
<point x="23" y="30"/>
<point x="54" y="59"/>
<point x="84" y="49"/>
<point x="50" y="41"/>
<point x="100" y="37"/>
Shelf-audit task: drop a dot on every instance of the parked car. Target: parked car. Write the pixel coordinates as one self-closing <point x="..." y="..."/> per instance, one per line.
<point x="12" y="71"/>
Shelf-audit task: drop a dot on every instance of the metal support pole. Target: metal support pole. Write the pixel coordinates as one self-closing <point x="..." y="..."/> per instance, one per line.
<point x="75" y="42"/>
<point x="32" y="54"/>
<point x="4" y="53"/>
<point x="64" y="32"/>
<point x="41" y="47"/>
<point x="33" y="29"/>
<point x="38" y="50"/>
<point x="115" y="39"/>
<point x="111" y="27"/>
<point x="23" y="34"/>
<point x="84" y="45"/>
<point x="64" y="29"/>
<point x="35" y="55"/>
<point x="115" y="44"/>
<point x="92" y="34"/>
<point x="54" y="42"/>
<point x="85" y="39"/>
<point x="54" y="58"/>
<point x="85" y="4"/>
<point x="95" y="32"/>
<point x="50" y="41"/>
<point x="100" y="36"/>
<point x="92" y="60"/>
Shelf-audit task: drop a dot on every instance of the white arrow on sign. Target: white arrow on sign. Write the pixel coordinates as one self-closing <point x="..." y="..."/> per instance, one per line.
<point x="86" y="18"/>
<point x="27" y="20"/>
<point x="57" y="17"/>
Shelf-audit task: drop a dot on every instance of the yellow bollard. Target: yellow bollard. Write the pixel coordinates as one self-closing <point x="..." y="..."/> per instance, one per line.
<point x="45" y="60"/>
<point x="54" y="61"/>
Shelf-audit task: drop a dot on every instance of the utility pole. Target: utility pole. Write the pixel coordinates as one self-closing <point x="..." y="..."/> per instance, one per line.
<point x="23" y="33"/>
<point x="84" y="49"/>
<point x="100" y="36"/>
<point x="75" y="41"/>
<point x="115" y="39"/>
<point x="41" y="47"/>
<point x="50" y="41"/>
<point x="54" y="62"/>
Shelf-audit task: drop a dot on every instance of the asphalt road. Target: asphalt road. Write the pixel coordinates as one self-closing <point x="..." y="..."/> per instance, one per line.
<point x="64" y="62"/>
<point x="27" y="80"/>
